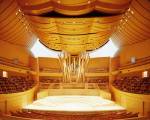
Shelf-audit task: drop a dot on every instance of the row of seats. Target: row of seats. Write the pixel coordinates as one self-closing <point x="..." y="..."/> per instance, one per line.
<point x="133" y="84"/>
<point x="54" y="116"/>
<point x="15" y="84"/>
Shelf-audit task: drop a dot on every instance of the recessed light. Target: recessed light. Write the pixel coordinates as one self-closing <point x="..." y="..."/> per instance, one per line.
<point x="89" y="2"/>
<point x="58" y="1"/>
<point x="132" y="12"/>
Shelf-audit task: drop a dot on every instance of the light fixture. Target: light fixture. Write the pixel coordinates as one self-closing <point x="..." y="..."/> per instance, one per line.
<point x="5" y="74"/>
<point x="58" y="1"/>
<point x="132" y="12"/>
<point x="144" y="74"/>
<point x="89" y="2"/>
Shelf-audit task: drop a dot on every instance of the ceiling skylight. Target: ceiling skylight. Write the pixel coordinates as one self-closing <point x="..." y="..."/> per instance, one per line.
<point x="108" y="50"/>
<point x="39" y="50"/>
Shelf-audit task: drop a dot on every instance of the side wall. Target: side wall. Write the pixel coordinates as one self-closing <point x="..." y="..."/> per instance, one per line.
<point x="139" y="50"/>
<point x="16" y="101"/>
<point x="11" y="51"/>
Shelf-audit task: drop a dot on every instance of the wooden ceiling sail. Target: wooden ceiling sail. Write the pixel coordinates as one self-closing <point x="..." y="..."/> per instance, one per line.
<point x="135" y="24"/>
<point x="73" y="7"/>
<point x="74" y="34"/>
<point x="14" y="27"/>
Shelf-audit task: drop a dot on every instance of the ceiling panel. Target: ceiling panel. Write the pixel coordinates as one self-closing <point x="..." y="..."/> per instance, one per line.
<point x="74" y="34"/>
<point x="14" y="27"/>
<point x="125" y="21"/>
<point x="134" y="26"/>
<point x="73" y="7"/>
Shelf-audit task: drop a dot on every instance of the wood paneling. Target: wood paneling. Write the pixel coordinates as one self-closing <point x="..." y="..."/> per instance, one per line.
<point x="139" y="50"/>
<point x="132" y="102"/>
<point x="73" y="34"/>
<point x="15" y="101"/>
<point x="134" y="26"/>
<point x="73" y="7"/>
<point x="14" y="28"/>
<point x="11" y="51"/>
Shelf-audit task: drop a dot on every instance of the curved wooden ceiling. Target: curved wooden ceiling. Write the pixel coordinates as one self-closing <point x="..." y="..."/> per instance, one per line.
<point x="14" y="27"/>
<point x="74" y="34"/>
<point x="134" y="26"/>
<point x="73" y="7"/>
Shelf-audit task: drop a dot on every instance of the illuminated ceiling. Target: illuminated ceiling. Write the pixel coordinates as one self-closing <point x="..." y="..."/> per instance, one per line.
<point x="14" y="27"/>
<point x="134" y="26"/>
<point x="74" y="35"/>
<point x="21" y="24"/>
<point x="73" y="7"/>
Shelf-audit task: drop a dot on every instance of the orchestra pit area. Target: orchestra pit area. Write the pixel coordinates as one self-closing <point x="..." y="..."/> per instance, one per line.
<point x="74" y="60"/>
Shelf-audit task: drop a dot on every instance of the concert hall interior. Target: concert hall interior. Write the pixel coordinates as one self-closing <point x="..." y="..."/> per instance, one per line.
<point x="74" y="59"/>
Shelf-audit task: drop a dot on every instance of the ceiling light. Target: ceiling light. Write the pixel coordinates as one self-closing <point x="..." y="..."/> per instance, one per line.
<point x="132" y="12"/>
<point x="89" y="2"/>
<point x="58" y="1"/>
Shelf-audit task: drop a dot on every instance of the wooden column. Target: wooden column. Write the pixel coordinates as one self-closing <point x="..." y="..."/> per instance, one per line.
<point x="110" y="70"/>
<point x="37" y="70"/>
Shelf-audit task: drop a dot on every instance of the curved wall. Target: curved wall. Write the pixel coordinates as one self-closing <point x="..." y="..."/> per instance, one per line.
<point x="132" y="102"/>
<point x="15" y="101"/>
<point x="86" y="92"/>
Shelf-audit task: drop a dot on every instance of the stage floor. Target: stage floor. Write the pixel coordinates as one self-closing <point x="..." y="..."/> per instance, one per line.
<point x="74" y="103"/>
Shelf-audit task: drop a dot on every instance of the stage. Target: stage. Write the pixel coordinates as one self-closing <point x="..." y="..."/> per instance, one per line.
<point x="74" y="103"/>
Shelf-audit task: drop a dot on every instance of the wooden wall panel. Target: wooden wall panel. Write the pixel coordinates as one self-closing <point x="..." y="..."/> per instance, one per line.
<point x="14" y="52"/>
<point x="132" y="102"/>
<point x="99" y="63"/>
<point x="49" y="63"/>
<point x="139" y="50"/>
<point x="16" y="101"/>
